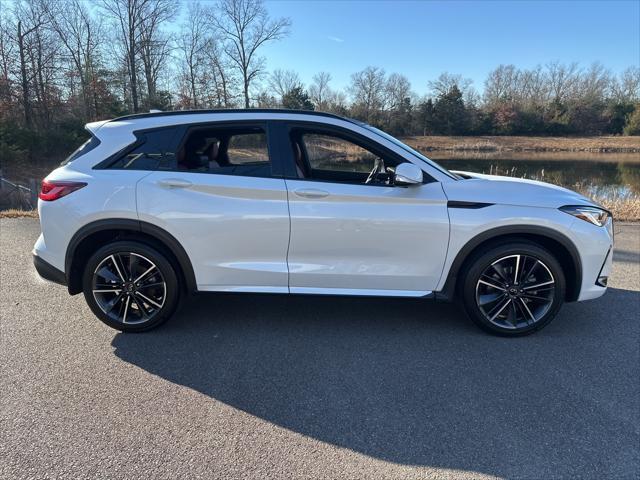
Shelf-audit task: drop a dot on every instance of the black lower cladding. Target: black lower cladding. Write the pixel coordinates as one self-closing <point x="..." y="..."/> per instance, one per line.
<point x="48" y="271"/>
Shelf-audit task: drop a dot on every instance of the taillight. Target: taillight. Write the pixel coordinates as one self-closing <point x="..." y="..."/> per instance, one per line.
<point x="52" y="190"/>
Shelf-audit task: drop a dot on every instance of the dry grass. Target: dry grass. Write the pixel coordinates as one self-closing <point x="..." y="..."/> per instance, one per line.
<point x="610" y="144"/>
<point x="623" y="209"/>
<point x="15" y="213"/>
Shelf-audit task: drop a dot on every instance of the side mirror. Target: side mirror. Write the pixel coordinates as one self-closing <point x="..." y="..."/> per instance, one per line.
<point x="407" y="174"/>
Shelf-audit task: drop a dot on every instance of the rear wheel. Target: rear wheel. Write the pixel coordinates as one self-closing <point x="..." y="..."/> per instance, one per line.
<point x="513" y="289"/>
<point x="130" y="286"/>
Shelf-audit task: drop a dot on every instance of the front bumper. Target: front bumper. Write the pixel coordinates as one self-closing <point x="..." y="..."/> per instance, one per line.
<point x="48" y="271"/>
<point x="595" y="245"/>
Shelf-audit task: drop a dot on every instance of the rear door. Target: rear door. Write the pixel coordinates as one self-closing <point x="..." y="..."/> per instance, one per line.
<point x="352" y="237"/>
<point x="218" y="193"/>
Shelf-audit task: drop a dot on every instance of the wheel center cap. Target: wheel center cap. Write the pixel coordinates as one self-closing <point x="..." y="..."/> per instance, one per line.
<point x="129" y="287"/>
<point x="513" y="291"/>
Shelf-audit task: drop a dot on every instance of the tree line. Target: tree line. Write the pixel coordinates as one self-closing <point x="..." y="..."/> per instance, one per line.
<point x="67" y="62"/>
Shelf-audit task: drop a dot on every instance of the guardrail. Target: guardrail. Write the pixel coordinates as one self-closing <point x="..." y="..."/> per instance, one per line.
<point x="15" y="195"/>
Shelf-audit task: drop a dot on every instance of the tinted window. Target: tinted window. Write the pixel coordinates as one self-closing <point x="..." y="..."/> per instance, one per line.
<point x="329" y="157"/>
<point x="148" y="152"/>
<point x="83" y="149"/>
<point x="248" y="149"/>
<point x="332" y="153"/>
<point x="225" y="151"/>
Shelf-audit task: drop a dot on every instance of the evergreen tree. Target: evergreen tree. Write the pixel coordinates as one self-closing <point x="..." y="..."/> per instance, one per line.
<point x="617" y="115"/>
<point x="424" y="122"/>
<point x="450" y="114"/>
<point x="633" y="123"/>
<point x="297" y="99"/>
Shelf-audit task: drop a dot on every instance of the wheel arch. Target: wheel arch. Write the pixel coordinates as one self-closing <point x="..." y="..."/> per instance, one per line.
<point x="95" y="234"/>
<point x="557" y="243"/>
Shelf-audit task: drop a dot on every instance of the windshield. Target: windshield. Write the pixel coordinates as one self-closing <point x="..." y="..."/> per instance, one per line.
<point x="407" y="148"/>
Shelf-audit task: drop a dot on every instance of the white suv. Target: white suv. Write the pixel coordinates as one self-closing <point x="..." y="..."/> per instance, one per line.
<point x="157" y="205"/>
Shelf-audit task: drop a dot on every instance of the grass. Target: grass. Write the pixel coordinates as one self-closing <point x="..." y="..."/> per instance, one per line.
<point x="624" y="207"/>
<point x="15" y="213"/>
<point x="626" y="210"/>
<point x="610" y="144"/>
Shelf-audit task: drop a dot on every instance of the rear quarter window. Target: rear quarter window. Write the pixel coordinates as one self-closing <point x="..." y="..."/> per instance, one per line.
<point x="148" y="152"/>
<point x="83" y="149"/>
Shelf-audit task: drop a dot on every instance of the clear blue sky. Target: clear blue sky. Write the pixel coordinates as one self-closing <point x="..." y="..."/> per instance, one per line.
<point x="421" y="39"/>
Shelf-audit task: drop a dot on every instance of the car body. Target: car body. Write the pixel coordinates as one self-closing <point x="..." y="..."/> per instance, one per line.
<point x="283" y="202"/>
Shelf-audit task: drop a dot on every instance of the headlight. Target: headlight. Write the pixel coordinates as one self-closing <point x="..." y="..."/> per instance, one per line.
<point x="594" y="215"/>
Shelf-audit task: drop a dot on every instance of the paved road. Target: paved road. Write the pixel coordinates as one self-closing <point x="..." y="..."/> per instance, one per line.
<point x="276" y="387"/>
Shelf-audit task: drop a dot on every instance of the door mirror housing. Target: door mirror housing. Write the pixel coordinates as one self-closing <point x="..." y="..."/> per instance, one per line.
<point x="407" y="174"/>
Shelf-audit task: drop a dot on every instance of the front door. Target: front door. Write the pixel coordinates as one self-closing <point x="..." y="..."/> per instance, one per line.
<point x="352" y="231"/>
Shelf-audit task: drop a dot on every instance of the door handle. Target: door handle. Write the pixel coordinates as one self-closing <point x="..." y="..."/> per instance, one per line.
<point x="311" y="193"/>
<point x="174" y="183"/>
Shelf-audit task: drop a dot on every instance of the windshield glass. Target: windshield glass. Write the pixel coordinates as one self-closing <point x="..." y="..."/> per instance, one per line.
<point x="407" y="148"/>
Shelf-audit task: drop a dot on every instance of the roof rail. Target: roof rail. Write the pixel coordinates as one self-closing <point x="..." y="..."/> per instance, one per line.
<point x="156" y="113"/>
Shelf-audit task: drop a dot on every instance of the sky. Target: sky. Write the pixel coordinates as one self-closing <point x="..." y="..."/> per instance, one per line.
<point x="421" y="39"/>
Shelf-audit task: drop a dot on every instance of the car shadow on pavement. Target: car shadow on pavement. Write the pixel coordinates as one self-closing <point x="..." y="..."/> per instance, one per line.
<point x="415" y="383"/>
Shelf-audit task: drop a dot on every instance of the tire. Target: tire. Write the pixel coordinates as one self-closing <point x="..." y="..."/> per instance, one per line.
<point x="110" y="289"/>
<point x="502" y="305"/>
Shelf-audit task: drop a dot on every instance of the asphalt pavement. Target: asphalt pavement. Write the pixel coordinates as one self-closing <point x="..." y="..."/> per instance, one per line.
<point x="250" y="386"/>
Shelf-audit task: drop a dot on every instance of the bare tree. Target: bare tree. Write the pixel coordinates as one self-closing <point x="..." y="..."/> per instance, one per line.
<point x="501" y="84"/>
<point x="562" y="80"/>
<point x="446" y="81"/>
<point x="44" y="55"/>
<point x="265" y="99"/>
<point x="127" y="16"/>
<point x="367" y="90"/>
<point x="29" y="20"/>
<point x="194" y="40"/>
<point x="223" y="81"/>
<point x="79" y="33"/>
<point x="397" y="90"/>
<point x="319" y="91"/>
<point x="627" y="87"/>
<point x="246" y="27"/>
<point x="8" y="61"/>
<point x="594" y="84"/>
<point x="534" y="89"/>
<point x="154" y="43"/>
<point x="282" y="82"/>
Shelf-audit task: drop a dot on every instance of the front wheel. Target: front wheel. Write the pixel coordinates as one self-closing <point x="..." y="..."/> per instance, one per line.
<point x="513" y="289"/>
<point x="130" y="286"/>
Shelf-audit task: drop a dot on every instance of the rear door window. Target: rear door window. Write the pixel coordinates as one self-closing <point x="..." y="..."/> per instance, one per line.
<point x="233" y="150"/>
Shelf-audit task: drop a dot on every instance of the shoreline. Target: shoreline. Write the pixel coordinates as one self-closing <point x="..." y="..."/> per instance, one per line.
<point x="490" y="144"/>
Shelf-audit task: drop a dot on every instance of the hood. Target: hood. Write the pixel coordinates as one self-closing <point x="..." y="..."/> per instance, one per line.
<point x="478" y="187"/>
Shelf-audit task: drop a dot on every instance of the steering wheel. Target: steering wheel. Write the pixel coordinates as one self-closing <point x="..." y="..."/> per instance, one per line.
<point x="378" y="167"/>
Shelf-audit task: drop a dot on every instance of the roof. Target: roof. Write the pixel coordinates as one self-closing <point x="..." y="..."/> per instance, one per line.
<point x="230" y="110"/>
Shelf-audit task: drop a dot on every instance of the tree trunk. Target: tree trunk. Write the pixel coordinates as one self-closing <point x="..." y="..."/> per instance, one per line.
<point x="246" y="92"/>
<point x="151" y="84"/>
<point x="192" y="81"/>
<point x="132" y="71"/>
<point x="28" y="121"/>
<point x="225" y="93"/>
